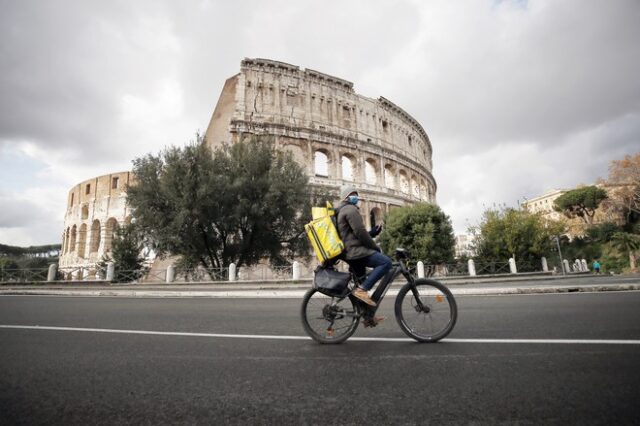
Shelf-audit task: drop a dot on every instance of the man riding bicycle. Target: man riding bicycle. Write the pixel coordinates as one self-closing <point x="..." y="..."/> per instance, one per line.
<point x="361" y="251"/>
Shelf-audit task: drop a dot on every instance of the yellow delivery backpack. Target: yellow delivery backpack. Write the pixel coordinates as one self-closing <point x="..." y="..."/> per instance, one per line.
<point x="323" y="233"/>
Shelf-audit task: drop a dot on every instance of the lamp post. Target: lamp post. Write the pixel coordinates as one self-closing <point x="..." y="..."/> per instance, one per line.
<point x="557" y="238"/>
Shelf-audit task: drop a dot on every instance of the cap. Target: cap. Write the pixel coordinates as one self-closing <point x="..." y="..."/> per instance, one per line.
<point x="346" y="190"/>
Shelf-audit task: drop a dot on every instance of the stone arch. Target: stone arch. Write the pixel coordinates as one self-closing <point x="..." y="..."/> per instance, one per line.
<point x="110" y="230"/>
<point x="404" y="182"/>
<point x="84" y="212"/>
<point x="73" y="238"/>
<point x="389" y="176"/>
<point x="415" y="187"/>
<point x="348" y="165"/>
<point x="423" y="191"/>
<point x="94" y="245"/>
<point x="321" y="163"/>
<point x="296" y="153"/>
<point x="82" y="240"/>
<point x="375" y="216"/>
<point x="371" y="171"/>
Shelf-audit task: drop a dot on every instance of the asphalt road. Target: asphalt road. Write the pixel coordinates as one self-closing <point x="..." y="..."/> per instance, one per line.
<point x="88" y="377"/>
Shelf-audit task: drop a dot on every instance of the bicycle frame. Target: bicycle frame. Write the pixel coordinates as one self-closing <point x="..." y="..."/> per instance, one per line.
<point x="384" y="285"/>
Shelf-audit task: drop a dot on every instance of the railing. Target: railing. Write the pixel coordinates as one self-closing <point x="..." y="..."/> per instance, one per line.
<point x="202" y="274"/>
<point x="491" y="268"/>
<point x="23" y="275"/>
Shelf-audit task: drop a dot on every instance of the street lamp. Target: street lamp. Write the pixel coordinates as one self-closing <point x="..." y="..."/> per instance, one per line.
<point x="557" y="238"/>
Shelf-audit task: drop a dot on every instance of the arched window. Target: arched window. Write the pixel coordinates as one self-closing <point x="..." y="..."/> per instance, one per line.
<point x="404" y="182"/>
<point x="109" y="233"/>
<point x="389" y="179"/>
<point x="415" y="188"/>
<point x="321" y="164"/>
<point x="85" y="212"/>
<point x="347" y="168"/>
<point x="375" y="216"/>
<point x="82" y="240"/>
<point x="370" y="175"/>
<point x="72" y="239"/>
<point x="95" y="237"/>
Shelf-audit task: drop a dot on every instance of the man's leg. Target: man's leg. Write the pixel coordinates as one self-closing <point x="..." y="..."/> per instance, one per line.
<point x="381" y="264"/>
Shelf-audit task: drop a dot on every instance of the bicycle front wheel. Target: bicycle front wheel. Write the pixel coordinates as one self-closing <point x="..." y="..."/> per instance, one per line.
<point x="328" y="319"/>
<point x="426" y="311"/>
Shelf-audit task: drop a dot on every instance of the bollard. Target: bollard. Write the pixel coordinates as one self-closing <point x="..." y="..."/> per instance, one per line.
<point x="111" y="271"/>
<point x="296" y="270"/>
<point x="565" y="265"/>
<point x="472" y="268"/>
<point x="53" y="270"/>
<point x="545" y="267"/>
<point x="585" y="267"/>
<point x="171" y="274"/>
<point x="512" y="265"/>
<point x="232" y="272"/>
<point x="420" y="267"/>
<point x="577" y="266"/>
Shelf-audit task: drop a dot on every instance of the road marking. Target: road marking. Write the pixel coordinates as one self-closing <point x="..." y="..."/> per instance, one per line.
<point x="357" y="339"/>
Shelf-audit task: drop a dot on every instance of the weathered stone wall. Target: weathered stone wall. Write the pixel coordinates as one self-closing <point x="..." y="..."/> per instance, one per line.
<point x="94" y="208"/>
<point x="309" y="112"/>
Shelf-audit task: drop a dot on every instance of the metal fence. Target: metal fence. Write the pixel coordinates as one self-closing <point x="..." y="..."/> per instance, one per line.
<point x="23" y="275"/>
<point x="490" y="268"/>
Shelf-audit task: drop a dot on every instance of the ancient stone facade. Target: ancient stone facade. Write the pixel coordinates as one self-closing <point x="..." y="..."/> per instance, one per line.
<point x="95" y="208"/>
<point x="337" y="135"/>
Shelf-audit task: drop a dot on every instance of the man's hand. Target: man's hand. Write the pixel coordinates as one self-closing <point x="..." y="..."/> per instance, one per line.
<point x="375" y="230"/>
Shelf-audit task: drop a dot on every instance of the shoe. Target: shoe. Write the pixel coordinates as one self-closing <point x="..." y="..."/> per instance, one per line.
<point x="363" y="295"/>
<point x="372" y="322"/>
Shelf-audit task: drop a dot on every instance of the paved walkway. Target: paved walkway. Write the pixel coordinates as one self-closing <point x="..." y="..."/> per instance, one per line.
<point x="283" y="289"/>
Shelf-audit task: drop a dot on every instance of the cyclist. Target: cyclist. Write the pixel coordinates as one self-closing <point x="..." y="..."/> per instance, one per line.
<point x="361" y="250"/>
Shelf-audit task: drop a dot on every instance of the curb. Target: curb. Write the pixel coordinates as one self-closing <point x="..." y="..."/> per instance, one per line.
<point x="298" y="293"/>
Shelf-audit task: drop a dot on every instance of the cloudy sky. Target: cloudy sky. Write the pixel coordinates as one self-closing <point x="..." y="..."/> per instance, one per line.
<point x="518" y="97"/>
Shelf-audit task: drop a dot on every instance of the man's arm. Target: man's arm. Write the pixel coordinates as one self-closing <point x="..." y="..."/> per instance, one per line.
<point x="357" y="226"/>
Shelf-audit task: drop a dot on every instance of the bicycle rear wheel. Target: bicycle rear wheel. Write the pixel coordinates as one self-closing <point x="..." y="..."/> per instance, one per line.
<point x="328" y="319"/>
<point x="428" y="315"/>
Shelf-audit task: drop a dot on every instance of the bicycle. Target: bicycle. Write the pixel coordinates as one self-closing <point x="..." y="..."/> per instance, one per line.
<point x="425" y="309"/>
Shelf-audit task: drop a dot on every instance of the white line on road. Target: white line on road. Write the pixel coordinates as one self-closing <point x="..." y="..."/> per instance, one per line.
<point x="358" y="339"/>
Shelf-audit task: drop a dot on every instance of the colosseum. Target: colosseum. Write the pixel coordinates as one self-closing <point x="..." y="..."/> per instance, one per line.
<point x="95" y="208"/>
<point x="337" y="135"/>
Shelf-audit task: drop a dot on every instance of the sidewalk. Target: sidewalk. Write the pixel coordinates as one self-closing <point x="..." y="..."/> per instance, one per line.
<point x="288" y="289"/>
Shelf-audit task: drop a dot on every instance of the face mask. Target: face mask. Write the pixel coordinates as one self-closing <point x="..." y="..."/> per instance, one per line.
<point x="353" y="199"/>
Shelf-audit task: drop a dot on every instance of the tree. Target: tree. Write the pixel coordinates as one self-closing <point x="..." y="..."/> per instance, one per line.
<point x="625" y="174"/>
<point x="424" y="229"/>
<point x="126" y="253"/>
<point x="508" y="232"/>
<point x="239" y="204"/>
<point x="627" y="244"/>
<point x="581" y="202"/>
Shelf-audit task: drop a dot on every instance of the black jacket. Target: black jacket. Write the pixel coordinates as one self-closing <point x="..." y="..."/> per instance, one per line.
<point x="357" y="241"/>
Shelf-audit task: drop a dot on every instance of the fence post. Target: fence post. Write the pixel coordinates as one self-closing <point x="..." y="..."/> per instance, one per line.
<point x="565" y="264"/>
<point x="296" y="270"/>
<point x="171" y="274"/>
<point x="420" y="267"/>
<point x="545" y="267"/>
<point x="111" y="271"/>
<point x="232" y="272"/>
<point x="472" y="268"/>
<point x="585" y="267"/>
<point x="512" y="265"/>
<point x="53" y="269"/>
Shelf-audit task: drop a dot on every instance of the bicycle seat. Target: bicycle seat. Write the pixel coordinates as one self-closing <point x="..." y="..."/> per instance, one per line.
<point x="402" y="253"/>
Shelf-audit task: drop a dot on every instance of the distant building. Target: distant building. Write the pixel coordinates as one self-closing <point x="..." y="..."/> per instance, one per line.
<point x="544" y="204"/>
<point x="464" y="246"/>
<point x="607" y="212"/>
